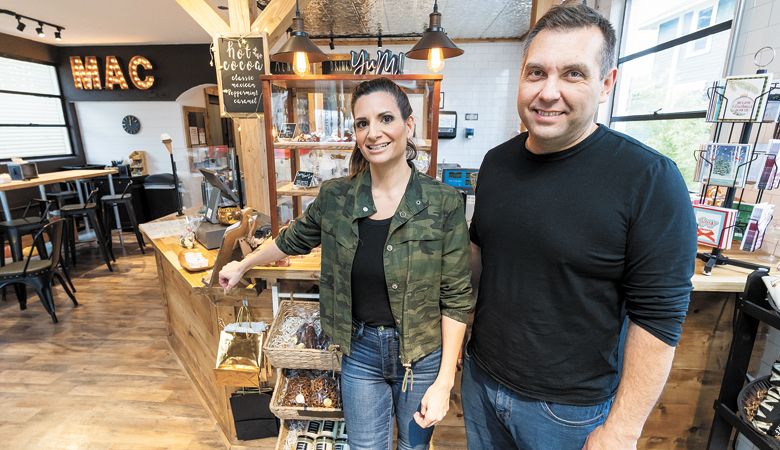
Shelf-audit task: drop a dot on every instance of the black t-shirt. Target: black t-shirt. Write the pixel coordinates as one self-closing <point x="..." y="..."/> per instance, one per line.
<point x="572" y="242"/>
<point x="370" y="301"/>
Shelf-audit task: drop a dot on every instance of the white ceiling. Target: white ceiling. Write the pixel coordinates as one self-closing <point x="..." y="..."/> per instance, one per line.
<point x="121" y="22"/>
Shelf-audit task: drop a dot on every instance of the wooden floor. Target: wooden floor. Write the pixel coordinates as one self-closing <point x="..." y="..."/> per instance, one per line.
<point x="105" y="377"/>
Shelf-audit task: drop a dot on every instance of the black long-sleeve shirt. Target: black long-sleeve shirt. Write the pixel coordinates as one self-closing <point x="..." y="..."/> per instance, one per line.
<point x="572" y="242"/>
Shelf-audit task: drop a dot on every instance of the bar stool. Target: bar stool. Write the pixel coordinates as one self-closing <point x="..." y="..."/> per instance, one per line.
<point x="70" y="213"/>
<point x="61" y="196"/>
<point x="125" y="198"/>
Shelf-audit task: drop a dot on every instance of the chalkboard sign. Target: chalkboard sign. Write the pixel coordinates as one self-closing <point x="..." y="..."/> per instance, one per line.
<point x="303" y="179"/>
<point x="240" y="62"/>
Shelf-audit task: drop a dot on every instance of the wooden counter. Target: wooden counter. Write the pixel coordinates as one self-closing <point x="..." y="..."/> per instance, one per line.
<point x="194" y="314"/>
<point x="726" y="278"/>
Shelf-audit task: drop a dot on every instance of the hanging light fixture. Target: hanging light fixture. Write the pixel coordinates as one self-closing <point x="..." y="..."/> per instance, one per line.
<point x="20" y="26"/>
<point x="39" y="30"/>
<point x="58" y="34"/>
<point x="299" y="50"/>
<point x="434" y="45"/>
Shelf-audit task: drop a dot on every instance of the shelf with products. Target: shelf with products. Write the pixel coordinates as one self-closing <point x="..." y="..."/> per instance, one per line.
<point x="752" y="308"/>
<point x="309" y="128"/>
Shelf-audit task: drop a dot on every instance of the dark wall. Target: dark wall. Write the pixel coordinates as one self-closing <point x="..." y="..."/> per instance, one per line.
<point x="16" y="47"/>
<point x="176" y="69"/>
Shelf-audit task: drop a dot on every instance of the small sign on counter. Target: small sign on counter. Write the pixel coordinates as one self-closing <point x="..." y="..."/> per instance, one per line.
<point x="241" y="59"/>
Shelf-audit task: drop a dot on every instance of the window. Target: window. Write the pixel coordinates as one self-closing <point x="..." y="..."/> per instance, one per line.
<point x="701" y="46"/>
<point x="32" y="115"/>
<point x="671" y="52"/>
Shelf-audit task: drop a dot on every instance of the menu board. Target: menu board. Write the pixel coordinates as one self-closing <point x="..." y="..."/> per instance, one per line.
<point x="241" y="59"/>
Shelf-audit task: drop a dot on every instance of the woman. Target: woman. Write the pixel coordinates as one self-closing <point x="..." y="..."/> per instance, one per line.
<point x="394" y="287"/>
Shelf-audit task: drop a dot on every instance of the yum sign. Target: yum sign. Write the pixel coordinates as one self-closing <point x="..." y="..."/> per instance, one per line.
<point x="86" y="74"/>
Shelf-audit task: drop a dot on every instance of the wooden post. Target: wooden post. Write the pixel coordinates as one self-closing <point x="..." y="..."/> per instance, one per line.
<point x="539" y="8"/>
<point x="250" y="133"/>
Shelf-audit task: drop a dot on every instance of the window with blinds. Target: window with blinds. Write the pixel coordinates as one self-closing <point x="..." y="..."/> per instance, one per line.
<point x="32" y="118"/>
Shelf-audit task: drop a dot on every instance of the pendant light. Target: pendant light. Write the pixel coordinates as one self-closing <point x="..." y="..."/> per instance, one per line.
<point x="434" y="45"/>
<point x="299" y="50"/>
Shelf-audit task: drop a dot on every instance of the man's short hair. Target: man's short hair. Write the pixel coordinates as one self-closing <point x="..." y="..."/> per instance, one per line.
<point x="571" y="16"/>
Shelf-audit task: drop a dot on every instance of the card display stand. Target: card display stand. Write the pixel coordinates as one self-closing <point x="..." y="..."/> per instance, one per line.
<point x="714" y="257"/>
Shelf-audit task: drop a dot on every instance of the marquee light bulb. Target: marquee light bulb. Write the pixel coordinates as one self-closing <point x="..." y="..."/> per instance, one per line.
<point x="300" y="63"/>
<point x="435" y="59"/>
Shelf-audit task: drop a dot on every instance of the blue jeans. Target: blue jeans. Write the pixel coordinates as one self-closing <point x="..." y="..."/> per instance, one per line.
<point x="499" y="418"/>
<point x="371" y="378"/>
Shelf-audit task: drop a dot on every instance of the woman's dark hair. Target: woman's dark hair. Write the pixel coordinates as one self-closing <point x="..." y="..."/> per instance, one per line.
<point x="357" y="163"/>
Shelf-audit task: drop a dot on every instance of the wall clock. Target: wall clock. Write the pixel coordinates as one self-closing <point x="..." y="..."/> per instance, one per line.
<point x="131" y="124"/>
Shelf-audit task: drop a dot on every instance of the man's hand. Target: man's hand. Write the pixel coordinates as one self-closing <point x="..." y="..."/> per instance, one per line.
<point x="230" y="275"/>
<point x="603" y="438"/>
<point x="434" y="406"/>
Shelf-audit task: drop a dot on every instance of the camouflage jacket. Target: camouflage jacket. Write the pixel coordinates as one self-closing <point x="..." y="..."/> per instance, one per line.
<point x="426" y="258"/>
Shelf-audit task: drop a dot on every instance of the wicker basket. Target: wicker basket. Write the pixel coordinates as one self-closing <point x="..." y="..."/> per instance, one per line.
<point x="749" y="392"/>
<point x="298" y="358"/>
<point x="298" y="412"/>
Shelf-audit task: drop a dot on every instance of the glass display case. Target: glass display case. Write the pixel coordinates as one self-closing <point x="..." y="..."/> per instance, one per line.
<point x="309" y="128"/>
<point x="220" y="159"/>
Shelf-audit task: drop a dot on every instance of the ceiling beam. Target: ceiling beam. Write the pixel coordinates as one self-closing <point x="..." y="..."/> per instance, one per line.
<point x="204" y="14"/>
<point x="276" y="18"/>
<point x="240" y="15"/>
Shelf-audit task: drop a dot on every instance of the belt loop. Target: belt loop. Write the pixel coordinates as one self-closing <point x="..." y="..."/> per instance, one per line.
<point x="360" y="329"/>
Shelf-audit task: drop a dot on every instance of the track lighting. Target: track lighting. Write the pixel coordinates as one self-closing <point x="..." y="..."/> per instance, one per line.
<point x="39" y="30"/>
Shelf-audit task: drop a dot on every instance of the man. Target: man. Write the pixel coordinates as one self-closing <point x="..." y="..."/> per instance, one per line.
<point x="576" y="227"/>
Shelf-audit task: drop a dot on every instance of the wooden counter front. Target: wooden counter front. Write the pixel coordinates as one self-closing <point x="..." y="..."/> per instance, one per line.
<point x="194" y="315"/>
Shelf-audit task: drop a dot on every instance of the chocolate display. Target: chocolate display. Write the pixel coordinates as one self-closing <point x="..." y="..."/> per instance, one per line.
<point x="301" y="330"/>
<point x="311" y="388"/>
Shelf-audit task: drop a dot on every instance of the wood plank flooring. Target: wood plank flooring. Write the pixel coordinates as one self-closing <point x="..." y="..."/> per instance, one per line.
<point x="105" y="377"/>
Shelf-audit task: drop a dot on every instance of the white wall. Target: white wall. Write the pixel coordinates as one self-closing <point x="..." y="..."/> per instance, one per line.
<point x="484" y="81"/>
<point x="105" y="140"/>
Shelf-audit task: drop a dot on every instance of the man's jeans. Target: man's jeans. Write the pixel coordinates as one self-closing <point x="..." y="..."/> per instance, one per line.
<point x="500" y="418"/>
<point x="371" y="378"/>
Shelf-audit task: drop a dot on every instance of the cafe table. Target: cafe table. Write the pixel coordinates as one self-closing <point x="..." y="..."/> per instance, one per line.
<point x="54" y="177"/>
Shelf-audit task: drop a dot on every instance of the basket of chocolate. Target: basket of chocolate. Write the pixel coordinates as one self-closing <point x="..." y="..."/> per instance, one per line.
<point x="312" y="435"/>
<point x="757" y="402"/>
<point x="296" y="339"/>
<point x="305" y="393"/>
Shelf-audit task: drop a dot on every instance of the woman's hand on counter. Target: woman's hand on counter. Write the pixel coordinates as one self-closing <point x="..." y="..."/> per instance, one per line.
<point x="230" y="275"/>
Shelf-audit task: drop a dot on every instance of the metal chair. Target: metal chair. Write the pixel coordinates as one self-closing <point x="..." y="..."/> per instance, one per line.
<point x="40" y="274"/>
<point x="126" y="199"/>
<point x="89" y="210"/>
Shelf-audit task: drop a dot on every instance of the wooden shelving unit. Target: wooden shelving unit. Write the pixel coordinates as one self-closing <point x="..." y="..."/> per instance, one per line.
<point x="299" y="99"/>
<point x="138" y="164"/>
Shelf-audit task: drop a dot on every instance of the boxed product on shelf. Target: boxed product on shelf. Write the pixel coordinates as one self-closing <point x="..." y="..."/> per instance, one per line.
<point x="312" y="434"/>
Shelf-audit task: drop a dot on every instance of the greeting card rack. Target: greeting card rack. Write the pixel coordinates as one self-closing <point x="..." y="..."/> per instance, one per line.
<point x="717" y="97"/>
